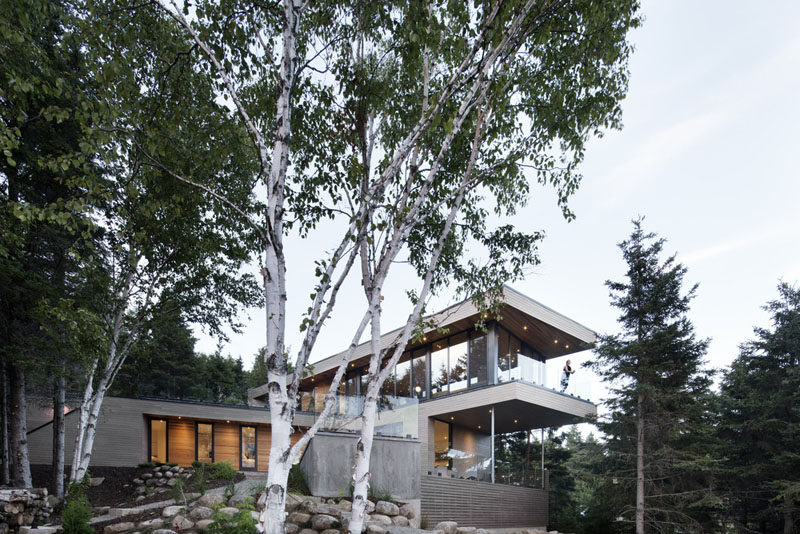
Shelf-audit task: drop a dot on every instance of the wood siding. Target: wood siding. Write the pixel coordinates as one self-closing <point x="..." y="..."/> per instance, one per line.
<point x="226" y="443"/>
<point x="181" y="441"/>
<point x="482" y="504"/>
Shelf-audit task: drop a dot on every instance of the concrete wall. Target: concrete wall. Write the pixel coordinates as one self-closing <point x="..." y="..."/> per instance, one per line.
<point x="481" y="504"/>
<point x="394" y="465"/>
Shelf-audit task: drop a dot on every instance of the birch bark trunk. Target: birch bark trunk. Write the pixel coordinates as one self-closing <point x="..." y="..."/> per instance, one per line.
<point x="59" y="398"/>
<point x="21" y="469"/>
<point x="640" y="465"/>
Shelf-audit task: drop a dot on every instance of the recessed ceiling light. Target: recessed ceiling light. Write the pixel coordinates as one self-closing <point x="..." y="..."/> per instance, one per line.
<point x="566" y="346"/>
<point x="452" y="418"/>
<point x="479" y="427"/>
<point x="555" y="341"/>
<point x="525" y="327"/>
<point x="516" y="421"/>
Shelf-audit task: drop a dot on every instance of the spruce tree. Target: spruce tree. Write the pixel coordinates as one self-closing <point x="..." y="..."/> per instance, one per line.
<point x="760" y="423"/>
<point x="656" y="429"/>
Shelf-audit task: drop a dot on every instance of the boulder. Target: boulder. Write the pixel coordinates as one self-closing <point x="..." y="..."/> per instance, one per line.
<point x="151" y="482"/>
<point x="238" y="500"/>
<point x="380" y="518"/>
<point x="140" y="498"/>
<point x="308" y="531"/>
<point x="119" y="527"/>
<point x="171" y="511"/>
<point x="400" y="521"/>
<point x="447" y="527"/>
<point x="481" y="531"/>
<point x="413" y="522"/>
<point x="308" y="507"/>
<point x="203" y="524"/>
<point x="330" y="531"/>
<point x="407" y="510"/>
<point x="375" y="528"/>
<point x="138" y="481"/>
<point x="163" y="531"/>
<point x="386" y="508"/>
<point x="370" y="507"/>
<point x="151" y="524"/>
<point x="161" y="481"/>
<point x="345" y="505"/>
<point x="322" y="522"/>
<point x="139" y="490"/>
<point x="211" y="500"/>
<point x="201" y="512"/>
<point x="466" y="530"/>
<point x="172" y="481"/>
<point x="177" y="469"/>
<point x="180" y="522"/>
<point x="291" y="528"/>
<point x="100" y="510"/>
<point x="147" y="476"/>
<point x="229" y="511"/>
<point x="169" y="474"/>
<point x="192" y="496"/>
<point x="299" y="518"/>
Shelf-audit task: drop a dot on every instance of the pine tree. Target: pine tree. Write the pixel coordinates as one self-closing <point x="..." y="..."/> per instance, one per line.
<point x="760" y="423"/>
<point x="657" y="426"/>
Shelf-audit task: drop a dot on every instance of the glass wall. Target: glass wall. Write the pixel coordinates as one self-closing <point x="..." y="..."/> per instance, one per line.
<point x="516" y="360"/>
<point x="457" y="358"/>
<point x="419" y="367"/>
<point x="478" y="370"/>
<point x="205" y="442"/>
<point x="158" y="440"/>
<point x="248" y="445"/>
<point x="442" y="441"/>
<point x="439" y="369"/>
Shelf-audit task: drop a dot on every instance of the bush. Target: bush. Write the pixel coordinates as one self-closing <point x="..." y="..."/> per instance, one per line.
<point x="199" y="478"/>
<point x="147" y="464"/>
<point x="77" y="513"/>
<point x="223" y="470"/>
<point x="241" y="523"/>
<point x="297" y="481"/>
<point x="177" y="490"/>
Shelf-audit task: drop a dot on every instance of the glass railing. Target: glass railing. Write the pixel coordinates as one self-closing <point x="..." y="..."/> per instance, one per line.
<point x="521" y="367"/>
<point x="397" y="416"/>
<point x="468" y="465"/>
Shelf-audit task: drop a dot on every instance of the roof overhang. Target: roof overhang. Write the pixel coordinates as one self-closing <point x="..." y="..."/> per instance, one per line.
<point x="516" y="405"/>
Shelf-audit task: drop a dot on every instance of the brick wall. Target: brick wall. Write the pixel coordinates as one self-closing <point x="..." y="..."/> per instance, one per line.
<point x="481" y="504"/>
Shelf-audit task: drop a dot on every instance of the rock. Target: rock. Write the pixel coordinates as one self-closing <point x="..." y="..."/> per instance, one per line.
<point x="238" y="500"/>
<point x="151" y="482"/>
<point x="157" y="469"/>
<point x="407" y="510"/>
<point x="308" y="531"/>
<point x="147" y="476"/>
<point x="375" y="528"/>
<point x="139" y="490"/>
<point x="345" y="505"/>
<point x="211" y="500"/>
<point x="192" y="496"/>
<point x="380" y="518"/>
<point x="169" y="474"/>
<point x="171" y="511"/>
<point x="299" y="518"/>
<point x="229" y="511"/>
<point x="400" y="521"/>
<point x="100" y="510"/>
<point x="171" y="482"/>
<point x="151" y="523"/>
<point x="466" y="530"/>
<point x="96" y="481"/>
<point x="180" y="522"/>
<point x="256" y="516"/>
<point x="201" y="512"/>
<point x="309" y="507"/>
<point x="447" y="527"/>
<point x="386" y="508"/>
<point x="138" y="481"/>
<point x="370" y="507"/>
<point x="330" y="531"/>
<point x="291" y="528"/>
<point x="176" y="469"/>
<point x="332" y="509"/>
<point x="162" y="481"/>
<point x="119" y="512"/>
<point x="481" y="531"/>
<point x="163" y="531"/>
<point x="414" y="522"/>
<point x="203" y="524"/>
<point x="140" y="498"/>
<point x="118" y="527"/>
<point x="322" y="522"/>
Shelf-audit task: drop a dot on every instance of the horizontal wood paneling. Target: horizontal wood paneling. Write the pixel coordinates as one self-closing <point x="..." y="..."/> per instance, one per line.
<point x="481" y="504"/>
<point x="181" y="441"/>
<point x="264" y="437"/>
<point x="226" y="443"/>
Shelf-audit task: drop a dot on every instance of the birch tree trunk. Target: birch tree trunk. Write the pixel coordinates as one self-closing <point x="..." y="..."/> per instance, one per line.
<point x="5" y="477"/>
<point x="640" y="465"/>
<point x="59" y="395"/>
<point x="20" y="464"/>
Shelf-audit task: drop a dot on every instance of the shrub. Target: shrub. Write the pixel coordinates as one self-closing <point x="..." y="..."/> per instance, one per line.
<point x="147" y="464"/>
<point x="223" y="470"/>
<point x="77" y="513"/>
<point x="177" y="490"/>
<point x="199" y="479"/>
<point x="241" y="523"/>
<point x="297" y="481"/>
<point x="198" y="465"/>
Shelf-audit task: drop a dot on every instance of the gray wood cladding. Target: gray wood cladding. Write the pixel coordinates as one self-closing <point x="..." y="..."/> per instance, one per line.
<point x="481" y="504"/>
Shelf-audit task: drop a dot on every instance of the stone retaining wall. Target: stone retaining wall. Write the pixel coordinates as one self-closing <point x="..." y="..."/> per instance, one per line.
<point x="22" y="507"/>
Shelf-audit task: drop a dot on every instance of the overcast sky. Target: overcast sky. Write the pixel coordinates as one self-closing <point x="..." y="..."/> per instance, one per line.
<point x="708" y="154"/>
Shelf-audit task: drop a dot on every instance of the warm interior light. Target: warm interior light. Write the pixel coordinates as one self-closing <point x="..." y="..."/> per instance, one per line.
<point x="525" y="327"/>
<point x="417" y="389"/>
<point x="424" y="338"/>
<point x="555" y="341"/>
<point x="516" y="421"/>
<point x="452" y="418"/>
<point x="490" y="411"/>
<point x="566" y="346"/>
<point x="479" y="427"/>
<point x="228" y="421"/>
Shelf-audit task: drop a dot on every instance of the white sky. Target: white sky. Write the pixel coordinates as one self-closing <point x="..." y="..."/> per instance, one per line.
<point x="708" y="154"/>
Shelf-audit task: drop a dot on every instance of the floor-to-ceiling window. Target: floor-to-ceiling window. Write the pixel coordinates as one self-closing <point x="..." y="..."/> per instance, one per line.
<point x="247" y="440"/>
<point x="204" y="439"/>
<point x="158" y="440"/>
<point x="439" y="369"/>
<point x="457" y="358"/>
<point x="442" y="442"/>
<point x="419" y="371"/>
<point x="478" y="375"/>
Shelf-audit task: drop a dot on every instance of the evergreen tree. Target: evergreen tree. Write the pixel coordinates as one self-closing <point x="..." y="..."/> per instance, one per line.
<point x="760" y="423"/>
<point x="657" y="427"/>
<point x="258" y="376"/>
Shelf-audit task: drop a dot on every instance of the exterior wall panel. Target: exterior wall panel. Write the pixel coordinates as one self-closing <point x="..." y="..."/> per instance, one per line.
<point x="226" y="443"/>
<point x="481" y="504"/>
<point x="181" y="441"/>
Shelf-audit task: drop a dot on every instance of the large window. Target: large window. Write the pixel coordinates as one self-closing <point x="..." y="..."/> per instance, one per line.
<point x="404" y="378"/>
<point x="205" y="442"/>
<point x="419" y="368"/>
<point x="458" y="362"/>
<point x="158" y="440"/>
<point x="478" y="375"/>
<point x="247" y="440"/>
<point x="439" y="369"/>
<point x="442" y="442"/>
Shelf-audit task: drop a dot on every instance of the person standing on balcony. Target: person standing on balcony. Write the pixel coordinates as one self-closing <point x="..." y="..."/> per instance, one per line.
<point x="568" y="370"/>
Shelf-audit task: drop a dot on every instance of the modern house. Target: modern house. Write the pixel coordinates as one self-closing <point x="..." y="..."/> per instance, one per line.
<point x="454" y="389"/>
